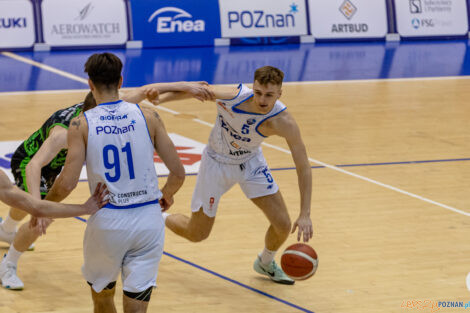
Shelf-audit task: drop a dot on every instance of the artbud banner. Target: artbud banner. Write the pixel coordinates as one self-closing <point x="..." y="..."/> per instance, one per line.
<point x="330" y="19"/>
<point x="16" y="24"/>
<point x="84" y="22"/>
<point x="263" y="18"/>
<point x="167" y="23"/>
<point x="419" y="18"/>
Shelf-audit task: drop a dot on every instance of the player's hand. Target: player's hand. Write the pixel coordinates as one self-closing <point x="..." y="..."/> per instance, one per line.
<point x="40" y="224"/>
<point x="98" y="200"/>
<point x="199" y="90"/>
<point x="166" y="202"/>
<point x="304" y="223"/>
<point x="152" y="94"/>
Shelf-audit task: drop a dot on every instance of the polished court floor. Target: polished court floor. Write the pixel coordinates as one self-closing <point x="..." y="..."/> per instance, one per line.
<point x="390" y="212"/>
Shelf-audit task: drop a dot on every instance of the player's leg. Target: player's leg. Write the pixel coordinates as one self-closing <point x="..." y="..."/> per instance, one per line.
<point x="195" y="228"/>
<point x="9" y="224"/>
<point x="259" y="186"/>
<point x="140" y="263"/>
<point x="213" y="180"/>
<point x="103" y="302"/>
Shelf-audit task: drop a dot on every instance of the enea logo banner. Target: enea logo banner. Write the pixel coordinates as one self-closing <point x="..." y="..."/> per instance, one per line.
<point x="84" y="22"/>
<point x="16" y="24"/>
<point x="348" y="18"/>
<point x="175" y="23"/>
<point x="417" y="18"/>
<point x="263" y="18"/>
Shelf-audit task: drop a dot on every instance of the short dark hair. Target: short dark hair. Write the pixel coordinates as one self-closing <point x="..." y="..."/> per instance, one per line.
<point x="104" y="70"/>
<point x="89" y="102"/>
<point x="269" y="75"/>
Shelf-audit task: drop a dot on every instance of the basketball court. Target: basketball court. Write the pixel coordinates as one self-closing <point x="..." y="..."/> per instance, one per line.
<point x="390" y="207"/>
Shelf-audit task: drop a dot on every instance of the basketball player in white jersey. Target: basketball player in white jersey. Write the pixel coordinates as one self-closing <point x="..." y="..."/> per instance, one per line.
<point x="233" y="155"/>
<point x="117" y="139"/>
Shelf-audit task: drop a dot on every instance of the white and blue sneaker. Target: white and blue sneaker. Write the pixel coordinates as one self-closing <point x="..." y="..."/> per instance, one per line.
<point x="8" y="276"/>
<point x="273" y="271"/>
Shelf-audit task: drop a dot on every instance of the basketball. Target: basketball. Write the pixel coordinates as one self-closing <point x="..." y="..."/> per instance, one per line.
<point x="299" y="261"/>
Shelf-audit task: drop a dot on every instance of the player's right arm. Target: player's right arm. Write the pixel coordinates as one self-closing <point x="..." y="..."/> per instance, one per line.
<point x="15" y="197"/>
<point x="201" y="91"/>
<point x="167" y="152"/>
<point x="56" y="141"/>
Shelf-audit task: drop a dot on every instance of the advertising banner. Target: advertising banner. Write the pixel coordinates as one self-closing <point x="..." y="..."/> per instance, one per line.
<point x="84" y="22"/>
<point x="348" y="18"/>
<point x="16" y="24"/>
<point x="420" y="18"/>
<point x="170" y="23"/>
<point x="263" y="18"/>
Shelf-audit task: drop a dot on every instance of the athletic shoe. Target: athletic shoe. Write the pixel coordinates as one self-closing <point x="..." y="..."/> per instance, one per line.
<point x="273" y="271"/>
<point x="8" y="276"/>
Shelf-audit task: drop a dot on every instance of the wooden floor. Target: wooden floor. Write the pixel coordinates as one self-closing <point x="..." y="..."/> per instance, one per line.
<point x="378" y="248"/>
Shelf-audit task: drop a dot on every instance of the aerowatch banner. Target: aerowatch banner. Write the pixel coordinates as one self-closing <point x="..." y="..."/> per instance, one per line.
<point x="331" y="19"/>
<point x="84" y="22"/>
<point x="421" y="18"/>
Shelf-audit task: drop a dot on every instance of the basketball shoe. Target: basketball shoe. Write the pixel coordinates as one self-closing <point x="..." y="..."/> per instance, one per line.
<point x="8" y="276"/>
<point x="273" y="271"/>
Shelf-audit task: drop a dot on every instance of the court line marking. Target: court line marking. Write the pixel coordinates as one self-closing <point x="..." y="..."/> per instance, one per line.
<point x="332" y="167"/>
<point x="227" y="278"/>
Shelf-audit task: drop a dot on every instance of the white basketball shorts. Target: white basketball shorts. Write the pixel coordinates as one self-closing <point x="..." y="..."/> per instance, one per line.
<point x="129" y="241"/>
<point x="215" y="178"/>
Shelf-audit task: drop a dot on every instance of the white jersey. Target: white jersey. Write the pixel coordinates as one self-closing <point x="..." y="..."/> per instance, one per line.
<point x="120" y="154"/>
<point x="235" y="137"/>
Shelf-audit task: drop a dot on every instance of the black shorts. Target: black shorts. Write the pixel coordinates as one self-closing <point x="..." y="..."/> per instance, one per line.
<point x="18" y="169"/>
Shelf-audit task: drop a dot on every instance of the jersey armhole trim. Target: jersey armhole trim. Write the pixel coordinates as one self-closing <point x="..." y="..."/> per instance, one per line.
<point x="239" y="91"/>
<point x="54" y="125"/>
<point x="256" y="128"/>
<point x="145" y="121"/>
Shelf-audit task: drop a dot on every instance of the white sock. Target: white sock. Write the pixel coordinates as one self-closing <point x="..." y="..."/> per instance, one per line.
<point x="165" y="215"/>
<point x="13" y="255"/>
<point x="267" y="256"/>
<point x="9" y="224"/>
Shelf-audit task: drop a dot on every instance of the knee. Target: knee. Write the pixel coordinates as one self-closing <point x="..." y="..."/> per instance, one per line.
<point x="284" y="225"/>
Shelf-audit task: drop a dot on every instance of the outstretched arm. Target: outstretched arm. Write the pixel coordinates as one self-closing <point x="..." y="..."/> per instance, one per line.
<point x="55" y="142"/>
<point x="13" y="196"/>
<point x="68" y="179"/>
<point x="285" y="126"/>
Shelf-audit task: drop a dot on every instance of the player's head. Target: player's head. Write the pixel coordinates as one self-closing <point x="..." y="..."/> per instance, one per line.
<point x="89" y="102"/>
<point x="267" y="87"/>
<point x="104" y="72"/>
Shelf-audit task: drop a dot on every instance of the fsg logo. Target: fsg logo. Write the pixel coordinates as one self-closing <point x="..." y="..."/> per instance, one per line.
<point x="171" y="20"/>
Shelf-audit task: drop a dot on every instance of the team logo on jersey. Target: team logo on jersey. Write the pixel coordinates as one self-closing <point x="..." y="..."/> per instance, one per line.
<point x="235" y="145"/>
<point x="113" y="117"/>
<point x="114" y="129"/>
<point x="251" y="121"/>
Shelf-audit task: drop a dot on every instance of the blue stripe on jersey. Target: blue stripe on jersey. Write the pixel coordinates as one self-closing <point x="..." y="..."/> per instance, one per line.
<point x="256" y="128"/>
<point x="239" y="87"/>
<point x="132" y="206"/>
<point x="234" y="108"/>
<point x="109" y="103"/>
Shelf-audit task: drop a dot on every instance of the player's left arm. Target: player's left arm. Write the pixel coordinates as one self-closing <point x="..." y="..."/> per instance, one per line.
<point x="68" y="179"/>
<point x="285" y="126"/>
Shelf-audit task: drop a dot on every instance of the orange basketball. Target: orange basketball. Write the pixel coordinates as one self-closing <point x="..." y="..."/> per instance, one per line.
<point x="299" y="261"/>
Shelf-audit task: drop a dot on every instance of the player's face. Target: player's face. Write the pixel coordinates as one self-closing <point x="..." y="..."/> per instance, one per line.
<point x="265" y="96"/>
